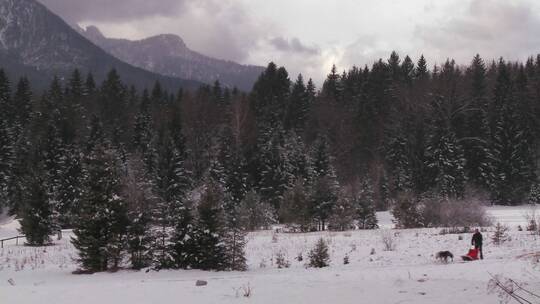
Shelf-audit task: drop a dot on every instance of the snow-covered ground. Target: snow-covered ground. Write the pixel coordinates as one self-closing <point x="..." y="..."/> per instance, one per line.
<point x="409" y="274"/>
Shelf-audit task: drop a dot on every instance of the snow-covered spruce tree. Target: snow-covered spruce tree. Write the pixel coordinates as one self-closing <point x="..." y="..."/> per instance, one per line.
<point x="175" y="183"/>
<point x="405" y="211"/>
<point x="143" y="135"/>
<point x="54" y="155"/>
<point x="365" y="206"/>
<point x="70" y="187"/>
<point x="476" y="147"/>
<point x="138" y="196"/>
<point x="534" y="194"/>
<point x="298" y="157"/>
<point x="7" y="161"/>
<point x="23" y="101"/>
<point x="500" y="235"/>
<point x="396" y="153"/>
<point x="445" y="155"/>
<point x="323" y="197"/>
<point x="299" y="103"/>
<point x="275" y="171"/>
<point x="234" y="239"/>
<point x="510" y="161"/>
<point x="511" y="156"/>
<point x="102" y="221"/>
<point x="319" y="256"/>
<point x="233" y="162"/>
<point x="325" y="187"/>
<point x="210" y="246"/>
<point x="184" y="236"/>
<point x="23" y="163"/>
<point x="36" y="213"/>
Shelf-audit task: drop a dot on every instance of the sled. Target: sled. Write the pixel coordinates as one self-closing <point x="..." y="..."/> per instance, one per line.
<point x="472" y="255"/>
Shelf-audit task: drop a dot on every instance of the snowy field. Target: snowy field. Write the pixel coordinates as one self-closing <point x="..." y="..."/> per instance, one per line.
<point x="409" y="274"/>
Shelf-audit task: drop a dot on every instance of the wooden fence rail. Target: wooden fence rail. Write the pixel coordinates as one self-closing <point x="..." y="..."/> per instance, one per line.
<point x="16" y="238"/>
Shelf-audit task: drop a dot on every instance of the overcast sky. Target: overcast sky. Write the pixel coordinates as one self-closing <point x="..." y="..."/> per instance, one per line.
<point x="308" y="36"/>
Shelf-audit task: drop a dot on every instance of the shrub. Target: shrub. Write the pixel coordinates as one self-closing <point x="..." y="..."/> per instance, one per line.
<point x="500" y="235"/>
<point x="406" y="212"/>
<point x="533" y="221"/>
<point x="281" y="260"/>
<point x="294" y="209"/>
<point x="318" y="256"/>
<point x="388" y="239"/>
<point x="255" y="213"/>
<point x="437" y="212"/>
<point x="342" y="215"/>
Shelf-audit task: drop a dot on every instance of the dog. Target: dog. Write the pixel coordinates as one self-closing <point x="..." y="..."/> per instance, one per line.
<point x="443" y="256"/>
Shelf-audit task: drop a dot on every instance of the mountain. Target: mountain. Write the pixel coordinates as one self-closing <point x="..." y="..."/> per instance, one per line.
<point x="37" y="43"/>
<point x="169" y="55"/>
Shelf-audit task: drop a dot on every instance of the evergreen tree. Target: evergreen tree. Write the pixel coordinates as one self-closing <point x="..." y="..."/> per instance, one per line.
<point x="139" y="196"/>
<point x="269" y="98"/>
<point x="211" y="248"/>
<point x="365" y="206"/>
<point x="275" y="172"/>
<point x="37" y="223"/>
<point x="333" y="85"/>
<point x="7" y="161"/>
<point x="101" y="226"/>
<point x="342" y="217"/>
<point x="90" y="84"/>
<point x="143" y="138"/>
<point x="397" y="156"/>
<point x="476" y="149"/>
<point x="324" y="190"/>
<point x="298" y="157"/>
<point x="534" y="194"/>
<point x="113" y="99"/>
<point x="421" y="68"/>
<point x="407" y="70"/>
<point x="175" y="210"/>
<point x="394" y="63"/>
<point x="55" y="169"/>
<point x="234" y="239"/>
<point x="295" y="209"/>
<point x="6" y="103"/>
<point x="319" y="256"/>
<point x="299" y="106"/>
<point x="23" y="101"/>
<point x="69" y="190"/>
<point x="184" y="236"/>
<point x="406" y="211"/>
<point x="511" y="158"/>
<point x="255" y="213"/>
<point x="445" y="155"/>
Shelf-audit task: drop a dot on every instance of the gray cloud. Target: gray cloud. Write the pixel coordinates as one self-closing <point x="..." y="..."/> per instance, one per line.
<point x="293" y="45"/>
<point x="492" y="28"/>
<point x="219" y="28"/>
<point x="112" y="10"/>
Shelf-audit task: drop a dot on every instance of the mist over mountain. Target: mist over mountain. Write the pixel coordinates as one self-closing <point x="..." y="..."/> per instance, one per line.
<point x="168" y="54"/>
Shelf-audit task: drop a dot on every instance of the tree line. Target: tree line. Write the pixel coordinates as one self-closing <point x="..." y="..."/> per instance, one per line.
<point x="175" y="179"/>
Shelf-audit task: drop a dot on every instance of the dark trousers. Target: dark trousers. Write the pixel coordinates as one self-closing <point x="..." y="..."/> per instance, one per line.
<point x="479" y="247"/>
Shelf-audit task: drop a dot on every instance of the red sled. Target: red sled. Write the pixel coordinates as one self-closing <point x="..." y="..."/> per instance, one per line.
<point x="471" y="255"/>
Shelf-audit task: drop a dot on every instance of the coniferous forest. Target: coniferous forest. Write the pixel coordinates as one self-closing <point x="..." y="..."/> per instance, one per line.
<point x="175" y="179"/>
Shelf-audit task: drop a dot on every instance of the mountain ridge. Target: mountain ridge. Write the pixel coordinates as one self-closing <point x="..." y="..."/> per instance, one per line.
<point x="168" y="54"/>
<point x="36" y="43"/>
